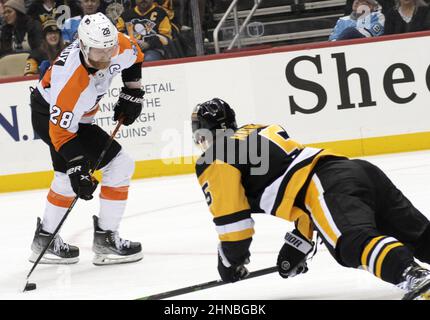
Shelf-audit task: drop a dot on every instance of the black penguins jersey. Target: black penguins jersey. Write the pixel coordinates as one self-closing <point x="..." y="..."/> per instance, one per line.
<point x="149" y="25"/>
<point x="257" y="169"/>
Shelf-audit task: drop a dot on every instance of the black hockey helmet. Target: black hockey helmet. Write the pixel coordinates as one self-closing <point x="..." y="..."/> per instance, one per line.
<point x="212" y="115"/>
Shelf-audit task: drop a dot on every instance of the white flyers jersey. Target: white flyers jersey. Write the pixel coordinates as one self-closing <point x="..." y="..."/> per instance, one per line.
<point x="73" y="92"/>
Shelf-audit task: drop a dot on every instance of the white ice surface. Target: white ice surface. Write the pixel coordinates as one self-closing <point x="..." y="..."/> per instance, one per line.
<point x="170" y="218"/>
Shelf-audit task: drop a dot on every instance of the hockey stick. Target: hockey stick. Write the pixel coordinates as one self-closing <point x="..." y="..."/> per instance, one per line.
<point x="205" y="285"/>
<point x="32" y="286"/>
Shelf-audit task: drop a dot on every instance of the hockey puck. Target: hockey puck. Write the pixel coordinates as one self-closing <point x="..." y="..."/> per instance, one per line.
<point x="30" y="286"/>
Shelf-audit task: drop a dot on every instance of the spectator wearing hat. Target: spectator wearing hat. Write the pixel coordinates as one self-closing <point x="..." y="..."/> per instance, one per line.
<point x="408" y="16"/>
<point x="365" y="20"/>
<point x="40" y="59"/>
<point x="20" y="32"/>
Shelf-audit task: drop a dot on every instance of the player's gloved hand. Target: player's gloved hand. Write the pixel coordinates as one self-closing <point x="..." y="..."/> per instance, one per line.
<point x="83" y="183"/>
<point x="129" y="105"/>
<point x="231" y="272"/>
<point x="292" y="256"/>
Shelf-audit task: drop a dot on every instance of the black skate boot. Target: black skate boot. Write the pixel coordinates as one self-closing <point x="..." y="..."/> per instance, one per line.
<point x="416" y="282"/>
<point x="109" y="248"/>
<point x="57" y="253"/>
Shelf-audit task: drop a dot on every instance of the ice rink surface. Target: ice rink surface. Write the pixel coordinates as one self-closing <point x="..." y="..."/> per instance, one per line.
<point x="171" y="219"/>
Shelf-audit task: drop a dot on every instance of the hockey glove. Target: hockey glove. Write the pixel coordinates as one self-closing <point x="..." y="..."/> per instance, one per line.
<point x="292" y="256"/>
<point x="83" y="183"/>
<point x="228" y="271"/>
<point x="129" y="105"/>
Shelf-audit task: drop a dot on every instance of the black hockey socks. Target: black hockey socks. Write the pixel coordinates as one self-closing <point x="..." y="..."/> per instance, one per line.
<point x="386" y="258"/>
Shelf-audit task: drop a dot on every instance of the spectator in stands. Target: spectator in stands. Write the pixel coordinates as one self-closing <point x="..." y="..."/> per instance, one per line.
<point x="149" y="24"/>
<point x="43" y="10"/>
<point x="41" y="59"/>
<point x="364" y="21"/>
<point x="114" y="11"/>
<point x="20" y="32"/>
<point x="168" y="6"/>
<point x="70" y="28"/>
<point x="181" y="39"/>
<point x="408" y="16"/>
<point x="386" y="6"/>
<point x="114" y="8"/>
<point x="1" y="13"/>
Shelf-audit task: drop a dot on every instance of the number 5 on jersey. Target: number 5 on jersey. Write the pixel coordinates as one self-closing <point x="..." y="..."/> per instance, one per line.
<point x="207" y="193"/>
<point x="65" y="117"/>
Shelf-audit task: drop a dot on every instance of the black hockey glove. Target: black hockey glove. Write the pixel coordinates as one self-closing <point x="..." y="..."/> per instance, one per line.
<point x="292" y="256"/>
<point x="129" y="105"/>
<point x="83" y="183"/>
<point x="231" y="272"/>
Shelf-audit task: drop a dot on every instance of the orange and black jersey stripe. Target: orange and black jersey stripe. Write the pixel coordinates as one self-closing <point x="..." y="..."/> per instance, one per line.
<point x="71" y="90"/>
<point x="257" y="169"/>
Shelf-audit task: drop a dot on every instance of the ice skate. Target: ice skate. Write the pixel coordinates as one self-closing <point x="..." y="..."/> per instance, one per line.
<point x="417" y="283"/>
<point x="109" y="248"/>
<point x="57" y="253"/>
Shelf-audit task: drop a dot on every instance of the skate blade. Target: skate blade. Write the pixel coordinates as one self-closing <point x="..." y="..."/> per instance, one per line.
<point x="109" y="259"/>
<point x="52" y="259"/>
<point x="423" y="293"/>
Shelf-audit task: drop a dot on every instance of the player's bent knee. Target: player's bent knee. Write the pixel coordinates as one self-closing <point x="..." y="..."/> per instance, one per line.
<point x="127" y="163"/>
<point x="119" y="171"/>
<point x="61" y="184"/>
<point x="350" y="246"/>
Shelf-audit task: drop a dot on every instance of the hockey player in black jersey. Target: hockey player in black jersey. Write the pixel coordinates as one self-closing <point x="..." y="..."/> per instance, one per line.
<point x="363" y="219"/>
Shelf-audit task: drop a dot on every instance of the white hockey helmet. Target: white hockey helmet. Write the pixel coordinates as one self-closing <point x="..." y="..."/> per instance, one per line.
<point x="98" y="39"/>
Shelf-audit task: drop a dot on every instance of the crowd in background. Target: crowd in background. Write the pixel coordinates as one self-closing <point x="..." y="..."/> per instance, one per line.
<point x="163" y="28"/>
<point x="43" y="28"/>
<point x="373" y="18"/>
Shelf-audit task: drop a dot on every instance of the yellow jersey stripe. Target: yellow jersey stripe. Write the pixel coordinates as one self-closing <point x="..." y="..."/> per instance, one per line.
<point x="303" y="222"/>
<point x="382" y="256"/>
<point x="367" y="250"/>
<point x="313" y="203"/>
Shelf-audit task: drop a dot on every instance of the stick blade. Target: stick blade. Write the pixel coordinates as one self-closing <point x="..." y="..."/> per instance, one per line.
<point x="29" y="286"/>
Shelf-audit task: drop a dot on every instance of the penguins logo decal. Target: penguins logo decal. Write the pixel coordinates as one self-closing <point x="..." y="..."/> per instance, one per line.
<point x="143" y="28"/>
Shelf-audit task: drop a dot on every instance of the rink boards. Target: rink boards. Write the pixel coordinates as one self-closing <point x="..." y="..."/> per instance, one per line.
<point x="359" y="97"/>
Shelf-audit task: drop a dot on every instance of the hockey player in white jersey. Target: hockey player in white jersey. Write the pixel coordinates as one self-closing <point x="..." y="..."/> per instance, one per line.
<point x="63" y="108"/>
